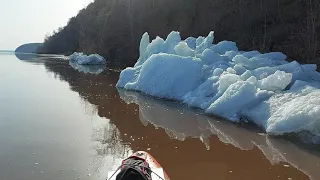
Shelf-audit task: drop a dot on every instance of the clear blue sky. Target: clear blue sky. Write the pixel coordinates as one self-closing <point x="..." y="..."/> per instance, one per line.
<point x="24" y="21"/>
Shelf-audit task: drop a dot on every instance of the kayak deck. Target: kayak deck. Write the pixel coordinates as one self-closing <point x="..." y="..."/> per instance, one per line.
<point x="153" y="163"/>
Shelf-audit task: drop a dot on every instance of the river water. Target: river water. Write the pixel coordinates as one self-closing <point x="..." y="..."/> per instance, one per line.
<point x="60" y="123"/>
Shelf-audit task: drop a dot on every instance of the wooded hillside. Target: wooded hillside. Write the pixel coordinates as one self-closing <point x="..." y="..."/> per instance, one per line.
<point x="113" y="28"/>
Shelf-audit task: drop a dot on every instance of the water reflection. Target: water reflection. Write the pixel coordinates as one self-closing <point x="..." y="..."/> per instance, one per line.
<point x="188" y="144"/>
<point x="26" y="56"/>
<point x="180" y="122"/>
<point x="2" y="52"/>
<point x="92" y="69"/>
<point x="48" y="131"/>
<point x="108" y="145"/>
<point x="109" y="149"/>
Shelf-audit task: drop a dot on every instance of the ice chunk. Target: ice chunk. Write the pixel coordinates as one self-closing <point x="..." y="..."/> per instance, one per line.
<point x="263" y="72"/>
<point x="305" y="72"/>
<point x="254" y="62"/>
<point x="309" y="67"/>
<point x="144" y="43"/>
<point x="156" y="77"/>
<point x="299" y="84"/>
<point x="155" y="47"/>
<point x="246" y="75"/>
<point x="294" y="68"/>
<point x="250" y="54"/>
<point x="275" y="56"/>
<point x="209" y="57"/>
<point x="262" y="62"/>
<point x="191" y="42"/>
<point x="172" y="40"/>
<point x="242" y="60"/>
<point x="128" y="75"/>
<point x="231" y="54"/>
<point x="182" y="49"/>
<point x="237" y="96"/>
<point x="252" y="80"/>
<point x="199" y="41"/>
<point x="224" y="46"/>
<point x="239" y="69"/>
<point x="292" y="111"/>
<point x="314" y="75"/>
<point x="217" y="71"/>
<point x="275" y="82"/>
<point x="231" y="71"/>
<point x="226" y="82"/>
<point x="205" y="43"/>
<point x="202" y="97"/>
<point x="83" y="59"/>
<point x="220" y="64"/>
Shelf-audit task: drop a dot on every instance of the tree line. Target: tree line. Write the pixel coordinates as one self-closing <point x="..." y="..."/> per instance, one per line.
<point x="113" y="28"/>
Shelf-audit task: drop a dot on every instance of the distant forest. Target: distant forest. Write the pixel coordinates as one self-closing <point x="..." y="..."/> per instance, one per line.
<point x="113" y="28"/>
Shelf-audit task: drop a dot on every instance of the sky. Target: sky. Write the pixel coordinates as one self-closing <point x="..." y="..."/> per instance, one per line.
<point x="25" y="21"/>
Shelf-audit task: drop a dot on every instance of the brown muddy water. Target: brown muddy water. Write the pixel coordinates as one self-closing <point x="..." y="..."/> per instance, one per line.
<point x="60" y="123"/>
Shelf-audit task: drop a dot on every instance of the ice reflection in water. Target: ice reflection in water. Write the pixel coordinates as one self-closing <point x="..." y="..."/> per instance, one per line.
<point x="179" y="123"/>
<point x="92" y="69"/>
<point x="146" y="126"/>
